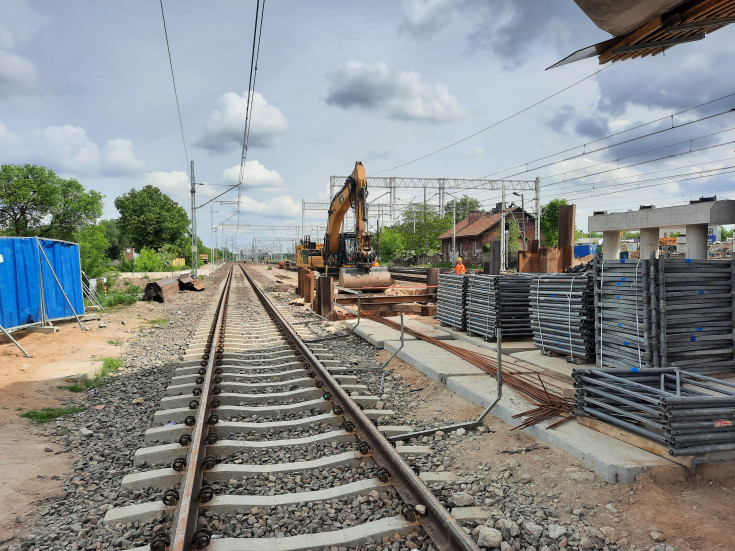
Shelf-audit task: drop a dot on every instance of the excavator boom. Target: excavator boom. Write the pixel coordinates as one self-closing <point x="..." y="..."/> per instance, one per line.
<point x="351" y="251"/>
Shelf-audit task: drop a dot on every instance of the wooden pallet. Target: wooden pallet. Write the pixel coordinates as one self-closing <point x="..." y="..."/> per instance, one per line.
<point x="623" y="435"/>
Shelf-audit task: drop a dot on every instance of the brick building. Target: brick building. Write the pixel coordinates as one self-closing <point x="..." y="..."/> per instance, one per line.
<point x="483" y="227"/>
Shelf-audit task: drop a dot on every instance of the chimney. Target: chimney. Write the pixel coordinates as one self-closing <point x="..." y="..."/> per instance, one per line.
<point x="474" y="216"/>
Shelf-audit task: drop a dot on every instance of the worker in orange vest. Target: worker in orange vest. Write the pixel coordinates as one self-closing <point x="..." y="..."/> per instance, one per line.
<point x="459" y="269"/>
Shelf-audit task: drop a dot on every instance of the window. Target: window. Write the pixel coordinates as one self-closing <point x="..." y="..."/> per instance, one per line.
<point x="474" y="248"/>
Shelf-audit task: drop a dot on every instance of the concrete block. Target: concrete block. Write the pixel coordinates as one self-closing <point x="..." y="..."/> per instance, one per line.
<point x="612" y="460"/>
<point x="436" y="363"/>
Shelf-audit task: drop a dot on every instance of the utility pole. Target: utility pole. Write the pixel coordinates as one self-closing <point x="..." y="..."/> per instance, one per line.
<point x="454" y="231"/>
<point x="503" y="244"/>
<point x="426" y="230"/>
<point x="194" y="254"/>
<point x="211" y="234"/>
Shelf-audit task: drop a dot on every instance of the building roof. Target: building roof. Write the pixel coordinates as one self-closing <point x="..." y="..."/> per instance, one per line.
<point x="481" y="225"/>
<point x="647" y="28"/>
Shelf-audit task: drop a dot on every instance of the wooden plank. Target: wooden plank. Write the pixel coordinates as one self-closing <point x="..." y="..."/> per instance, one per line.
<point x="383" y="299"/>
<point x="566" y="225"/>
<point x="634" y="37"/>
<point x="635" y="440"/>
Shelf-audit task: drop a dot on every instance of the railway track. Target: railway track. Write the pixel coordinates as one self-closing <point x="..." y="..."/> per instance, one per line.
<point x="259" y="436"/>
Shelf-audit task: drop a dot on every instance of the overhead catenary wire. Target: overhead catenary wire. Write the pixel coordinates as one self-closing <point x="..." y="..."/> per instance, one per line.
<point x="255" y="53"/>
<point x="586" y="144"/>
<point x="173" y="79"/>
<point x="493" y="125"/>
<point x="624" y="142"/>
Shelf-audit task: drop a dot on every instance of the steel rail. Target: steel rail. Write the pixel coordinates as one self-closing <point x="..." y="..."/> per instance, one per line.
<point x="187" y="510"/>
<point x="443" y="529"/>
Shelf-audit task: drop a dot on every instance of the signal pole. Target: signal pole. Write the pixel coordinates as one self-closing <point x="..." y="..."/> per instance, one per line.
<point x="194" y="255"/>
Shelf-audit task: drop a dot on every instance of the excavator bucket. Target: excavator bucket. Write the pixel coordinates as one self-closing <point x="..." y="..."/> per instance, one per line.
<point x="356" y="278"/>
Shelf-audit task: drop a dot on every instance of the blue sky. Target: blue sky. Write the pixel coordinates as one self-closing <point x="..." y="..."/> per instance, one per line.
<point x="85" y="89"/>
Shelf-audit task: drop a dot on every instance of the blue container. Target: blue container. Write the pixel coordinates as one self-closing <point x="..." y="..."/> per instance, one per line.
<point x="584" y="250"/>
<point x="26" y="262"/>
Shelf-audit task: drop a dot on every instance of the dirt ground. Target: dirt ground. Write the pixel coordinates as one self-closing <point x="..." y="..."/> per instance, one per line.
<point x="693" y="515"/>
<point x="30" y="466"/>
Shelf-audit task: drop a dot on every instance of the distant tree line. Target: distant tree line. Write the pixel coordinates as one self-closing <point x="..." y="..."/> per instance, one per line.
<point x="35" y="201"/>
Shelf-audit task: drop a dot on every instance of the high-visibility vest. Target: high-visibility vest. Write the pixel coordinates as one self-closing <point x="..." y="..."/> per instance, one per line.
<point x="459" y="269"/>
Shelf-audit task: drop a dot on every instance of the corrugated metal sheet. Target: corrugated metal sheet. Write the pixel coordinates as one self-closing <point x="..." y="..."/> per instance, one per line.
<point x="22" y="268"/>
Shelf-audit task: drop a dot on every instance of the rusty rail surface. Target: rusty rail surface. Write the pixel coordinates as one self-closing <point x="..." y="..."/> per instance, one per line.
<point x="545" y="396"/>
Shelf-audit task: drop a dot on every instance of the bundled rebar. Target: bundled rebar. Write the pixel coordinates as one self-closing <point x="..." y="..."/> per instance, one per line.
<point x="690" y="413"/>
<point x="562" y="312"/>
<point x="498" y="301"/>
<point x="450" y="300"/>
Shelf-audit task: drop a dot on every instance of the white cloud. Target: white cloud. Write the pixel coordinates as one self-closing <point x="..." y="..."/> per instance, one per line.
<point x="7" y="137"/>
<point x="118" y="157"/>
<point x="397" y="94"/>
<point x="224" y="127"/>
<point x="423" y="18"/>
<point x="282" y="206"/>
<point x="18" y="75"/>
<point x="256" y="176"/>
<point x="66" y="147"/>
<point x="476" y="151"/>
<point x="171" y="183"/>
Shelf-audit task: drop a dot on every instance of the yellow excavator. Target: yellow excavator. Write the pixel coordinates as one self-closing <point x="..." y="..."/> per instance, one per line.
<point x="349" y="253"/>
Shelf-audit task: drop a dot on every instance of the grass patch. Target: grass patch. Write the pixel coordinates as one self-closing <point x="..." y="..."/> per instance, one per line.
<point x="45" y="415"/>
<point x="161" y="321"/>
<point x="117" y="299"/>
<point x="270" y="267"/>
<point x="115" y="343"/>
<point x="109" y="366"/>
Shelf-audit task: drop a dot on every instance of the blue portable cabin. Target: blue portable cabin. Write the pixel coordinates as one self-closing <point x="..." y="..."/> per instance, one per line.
<point x="35" y="274"/>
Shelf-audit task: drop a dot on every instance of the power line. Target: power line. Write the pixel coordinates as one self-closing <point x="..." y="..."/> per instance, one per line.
<point x="638" y="155"/>
<point x="584" y="145"/>
<point x="586" y="153"/>
<point x="173" y="79"/>
<point x="248" y="105"/>
<point x="509" y="117"/>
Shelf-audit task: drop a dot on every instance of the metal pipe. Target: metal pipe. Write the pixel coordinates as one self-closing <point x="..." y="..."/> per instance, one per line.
<point x="15" y="342"/>
<point x="60" y="286"/>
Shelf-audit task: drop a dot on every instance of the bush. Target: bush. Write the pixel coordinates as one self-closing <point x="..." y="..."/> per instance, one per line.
<point x="117" y="299"/>
<point x="148" y="261"/>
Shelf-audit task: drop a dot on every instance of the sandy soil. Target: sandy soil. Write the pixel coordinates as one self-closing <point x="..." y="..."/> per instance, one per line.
<point x="30" y="467"/>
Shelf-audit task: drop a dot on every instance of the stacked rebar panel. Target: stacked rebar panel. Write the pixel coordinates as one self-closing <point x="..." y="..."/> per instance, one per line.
<point x="499" y="301"/>
<point x="450" y="300"/>
<point x="562" y="309"/>
<point x="695" y="304"/>
<point x="625" y="314"/>
<point x="690" y="413"/>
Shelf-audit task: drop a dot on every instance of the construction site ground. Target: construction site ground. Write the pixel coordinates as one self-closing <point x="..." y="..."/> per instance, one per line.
<point x="690" y="507"/>
<point x="30" y="467"/>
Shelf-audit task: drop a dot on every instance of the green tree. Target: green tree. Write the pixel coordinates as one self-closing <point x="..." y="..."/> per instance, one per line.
<point x="148" y="261"/>
<point x="514" y="238"/>
<point x="392" y="244"/>
<point x="550" y="222"/>
<point x="464" y="205"/>
<point x="114" y="237"/>
<point x="726" y="234"/>
<point x="93" y="247"/>
<point x="35" y="201"/>
<point x="421" y="227"/>
<point x="73" y="209"/>
<point x="150" y="218"/>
